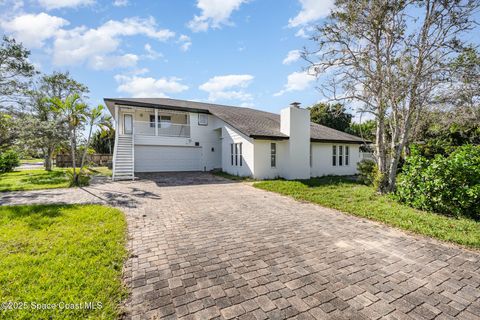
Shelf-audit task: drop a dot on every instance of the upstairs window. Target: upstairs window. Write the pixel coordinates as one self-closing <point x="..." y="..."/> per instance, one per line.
<point x="273" y="155"/>
<point x="202" y="119"/>
<point x="334" y="155"/>
<point x="164" y="121"/>
<point x="152" y="121"/>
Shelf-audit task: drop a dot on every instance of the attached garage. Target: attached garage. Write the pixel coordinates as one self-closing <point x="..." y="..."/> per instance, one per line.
<point x="167" y="158"/>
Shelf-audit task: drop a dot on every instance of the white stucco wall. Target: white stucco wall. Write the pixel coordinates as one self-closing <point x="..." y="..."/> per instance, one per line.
<point x="322" y="160"/>
<point x="208" y="137"/>
<point x="229" y="136"/>
<point x="262" y="159"/>
<point x="295" y="123"/>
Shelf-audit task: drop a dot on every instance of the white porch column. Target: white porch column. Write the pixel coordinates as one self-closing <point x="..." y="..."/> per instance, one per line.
<point x="116" y="120"/>
<point x="156" y="121"/>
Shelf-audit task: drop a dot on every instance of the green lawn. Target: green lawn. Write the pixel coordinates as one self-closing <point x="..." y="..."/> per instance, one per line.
<point x="40" y="179"/>
<point x="31" y="160"/>
<point x="63" y="255"/>
<point x="360" y="200"/>
<point x="33" y="180"/>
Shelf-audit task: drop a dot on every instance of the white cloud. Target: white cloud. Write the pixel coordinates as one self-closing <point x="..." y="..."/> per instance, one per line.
<point x="56" y="4"/>
<point x="80" y="44"/>
<point x="228" y="87"/>
<point x="111" y="62"/>
<point x="312" y="10"/>
<point x="136" y="86"/>
<point x="151" y="53"/>
<point x="34" y="29"/>
<point x="296" y="81"/>
<point x="120" y="3"/>
<point x="214" y="14"/>
<point x="292" y="56"/>
<point x="185" y="42"/>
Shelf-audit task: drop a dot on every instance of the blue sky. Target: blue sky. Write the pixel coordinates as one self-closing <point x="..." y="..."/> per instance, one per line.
<point x="223" y="51"/>
<point x="235" y="52"/>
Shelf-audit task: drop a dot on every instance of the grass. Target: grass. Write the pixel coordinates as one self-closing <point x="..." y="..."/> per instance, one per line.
<point x="53" y="254"/>
<point x="33" y="180"/>
<point x="37" y="179"/>
<point x="231" y="176"/>
<point x="360" y="200"/>
<point x="101" y="171"/>
<point x="31" y="160"/>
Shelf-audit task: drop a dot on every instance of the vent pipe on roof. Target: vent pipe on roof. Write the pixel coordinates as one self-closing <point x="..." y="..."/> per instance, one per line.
<point x="295" y="104"/>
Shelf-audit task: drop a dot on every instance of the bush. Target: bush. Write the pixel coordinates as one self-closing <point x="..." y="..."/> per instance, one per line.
<point x="8" y="161"/>
<point x="83" y="178"/>
<point x="449" y="185"/>
<point x="367" y="171"/>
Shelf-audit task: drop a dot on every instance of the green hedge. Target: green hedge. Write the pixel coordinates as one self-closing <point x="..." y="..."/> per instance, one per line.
<point x="448" y="185"/>
<point x="8" y="161"/>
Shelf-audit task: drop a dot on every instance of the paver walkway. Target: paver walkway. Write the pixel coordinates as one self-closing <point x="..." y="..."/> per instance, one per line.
<point x="202" y="247"/>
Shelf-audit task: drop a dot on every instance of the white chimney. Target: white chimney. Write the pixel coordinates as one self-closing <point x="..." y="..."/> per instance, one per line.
<point x="295" y="123"/>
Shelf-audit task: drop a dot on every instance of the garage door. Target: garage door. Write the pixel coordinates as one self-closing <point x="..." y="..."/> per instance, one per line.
<point x="167" y="158"/>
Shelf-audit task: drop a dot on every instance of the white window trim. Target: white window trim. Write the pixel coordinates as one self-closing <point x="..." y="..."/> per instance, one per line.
<point x="205" y="117"/>
<point x="273" y="155"/>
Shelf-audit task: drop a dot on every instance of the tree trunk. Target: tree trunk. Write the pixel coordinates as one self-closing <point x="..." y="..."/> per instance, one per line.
<point x="381" y="152"/>
<point x="72" y="150"/>
<point x="48" y="158"/>
<point x="86" y="148"/>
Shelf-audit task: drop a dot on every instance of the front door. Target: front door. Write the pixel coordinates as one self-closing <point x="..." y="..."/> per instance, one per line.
<point x="127" y="123"/>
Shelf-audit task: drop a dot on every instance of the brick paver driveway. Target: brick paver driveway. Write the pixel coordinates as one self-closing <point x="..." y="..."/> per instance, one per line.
<point x="202" y="247"/>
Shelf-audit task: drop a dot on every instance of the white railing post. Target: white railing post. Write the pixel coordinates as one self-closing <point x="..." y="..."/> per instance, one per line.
<point x="114" y="160"/>
<point x="156" y="122"/>
<point x="133" y="152"/>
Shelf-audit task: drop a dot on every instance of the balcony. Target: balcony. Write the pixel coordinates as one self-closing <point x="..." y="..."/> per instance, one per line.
<point x="164" y="129"/>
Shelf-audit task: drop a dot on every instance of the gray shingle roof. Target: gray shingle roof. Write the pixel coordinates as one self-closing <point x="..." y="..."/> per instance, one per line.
<point x="251" y="122"/>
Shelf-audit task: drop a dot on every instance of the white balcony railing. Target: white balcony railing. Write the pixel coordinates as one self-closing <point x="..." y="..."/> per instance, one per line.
<point x="165" y="129"/>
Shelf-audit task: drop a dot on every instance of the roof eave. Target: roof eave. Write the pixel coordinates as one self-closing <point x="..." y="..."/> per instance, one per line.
<point x="338" y="141"/>
<point x="267" y="137"/>
<point x="153" y="105"/>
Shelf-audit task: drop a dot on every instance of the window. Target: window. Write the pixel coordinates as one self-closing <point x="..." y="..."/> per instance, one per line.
<point x="163" y="121"/>
<point x="240" y="153"/>
<point x="152" y="121"/>
<point x="273" y="155"/>
<point x="347" y="155"/>
<point x="311" y="160"/>
<point x="202" y="119"/>
<point x="236" y="158"/>
<point x="340" y="155"/>
<point x="334" y="155"/>
<point x="236" y="154"/>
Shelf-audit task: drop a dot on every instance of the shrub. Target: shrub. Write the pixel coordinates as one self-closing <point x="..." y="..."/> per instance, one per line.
<point x="449" y="185"/>
<point x="367" y="171"/>
<point x="8" y="161"/>
<point x="83" y="178"/>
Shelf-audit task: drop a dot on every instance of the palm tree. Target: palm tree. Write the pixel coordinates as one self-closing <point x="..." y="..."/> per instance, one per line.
<point x="75" y="112"/>
<point x="94" y="118"/>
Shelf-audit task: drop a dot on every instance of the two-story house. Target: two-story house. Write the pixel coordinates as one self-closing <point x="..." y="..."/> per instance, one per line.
<point x="160" y="134"/>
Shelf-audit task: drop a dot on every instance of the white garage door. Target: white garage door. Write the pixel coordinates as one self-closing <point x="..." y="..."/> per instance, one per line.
<point x="166" y="158"/>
